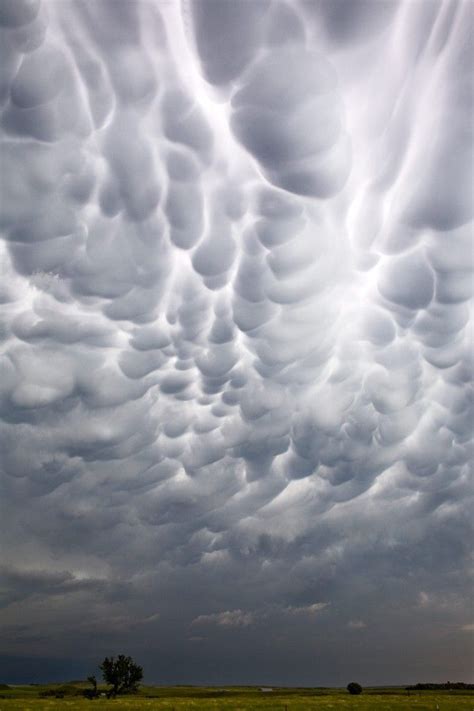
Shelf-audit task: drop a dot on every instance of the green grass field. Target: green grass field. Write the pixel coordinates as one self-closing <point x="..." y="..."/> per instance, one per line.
<point x="28" y="698"/>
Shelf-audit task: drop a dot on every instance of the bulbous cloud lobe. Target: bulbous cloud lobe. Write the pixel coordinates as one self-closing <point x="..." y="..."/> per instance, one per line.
<point x="236" y="329"/>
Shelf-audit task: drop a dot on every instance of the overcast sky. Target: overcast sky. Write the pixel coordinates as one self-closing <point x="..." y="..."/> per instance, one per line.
<point x="235" y="348"/>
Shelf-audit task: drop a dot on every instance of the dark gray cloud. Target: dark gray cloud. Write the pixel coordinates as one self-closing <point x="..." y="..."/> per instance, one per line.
<point x="236" y="287"/>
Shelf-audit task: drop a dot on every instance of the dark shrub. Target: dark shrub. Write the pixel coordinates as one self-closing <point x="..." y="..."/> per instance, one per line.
<point x="60" y="692"/>
<point x="354" y="688"/>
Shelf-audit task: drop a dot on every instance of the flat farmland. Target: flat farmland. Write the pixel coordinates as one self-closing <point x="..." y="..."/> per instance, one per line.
<point x="28" y="698"/>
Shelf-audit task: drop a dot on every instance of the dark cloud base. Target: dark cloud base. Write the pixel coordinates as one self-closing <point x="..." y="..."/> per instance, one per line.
<point x="236" y="364"/>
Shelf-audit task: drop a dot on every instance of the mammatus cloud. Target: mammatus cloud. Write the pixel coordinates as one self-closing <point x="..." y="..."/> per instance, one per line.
<point x="236" y="343"/>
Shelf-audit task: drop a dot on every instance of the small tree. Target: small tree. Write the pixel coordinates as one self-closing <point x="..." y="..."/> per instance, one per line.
<point x="91" y="693"/>
<point x="354" y="688"/>
<point x="122" y="674"/>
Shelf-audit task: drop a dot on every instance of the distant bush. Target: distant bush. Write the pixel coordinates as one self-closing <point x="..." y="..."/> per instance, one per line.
<point x="4" y="687"/>
<point x="447" y="686"/>
<point x="59" y="692"/>
<point x="354" y="688"/>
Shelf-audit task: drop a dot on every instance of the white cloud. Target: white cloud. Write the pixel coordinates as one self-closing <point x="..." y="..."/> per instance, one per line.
<point x="229" y="618"/>
<point x="357" y="624"/>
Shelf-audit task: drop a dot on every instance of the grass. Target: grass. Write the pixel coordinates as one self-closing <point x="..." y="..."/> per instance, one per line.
<point x="28" y="698"/>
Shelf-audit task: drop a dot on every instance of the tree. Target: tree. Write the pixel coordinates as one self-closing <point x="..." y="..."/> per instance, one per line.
<point x="354" y="688"/>
<point x="122" y="674"/>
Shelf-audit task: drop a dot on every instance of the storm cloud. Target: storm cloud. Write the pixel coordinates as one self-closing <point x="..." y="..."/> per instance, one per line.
<point x="235" y="387"/>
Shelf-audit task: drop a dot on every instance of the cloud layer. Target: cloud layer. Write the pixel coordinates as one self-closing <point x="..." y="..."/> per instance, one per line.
<point x="235" y="398"/>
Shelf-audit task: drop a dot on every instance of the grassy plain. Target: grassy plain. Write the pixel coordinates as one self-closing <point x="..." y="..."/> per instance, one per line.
<point x="28" y="698"/>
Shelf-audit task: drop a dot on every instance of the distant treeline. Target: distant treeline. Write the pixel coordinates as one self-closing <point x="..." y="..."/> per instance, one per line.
<point x="448" y="685"/>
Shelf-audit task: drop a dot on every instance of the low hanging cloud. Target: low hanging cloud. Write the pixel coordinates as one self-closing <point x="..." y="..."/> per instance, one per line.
<point x="236" y="328"/>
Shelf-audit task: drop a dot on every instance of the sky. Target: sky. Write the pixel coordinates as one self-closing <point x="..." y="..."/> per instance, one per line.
<point x="236" y="339"/>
